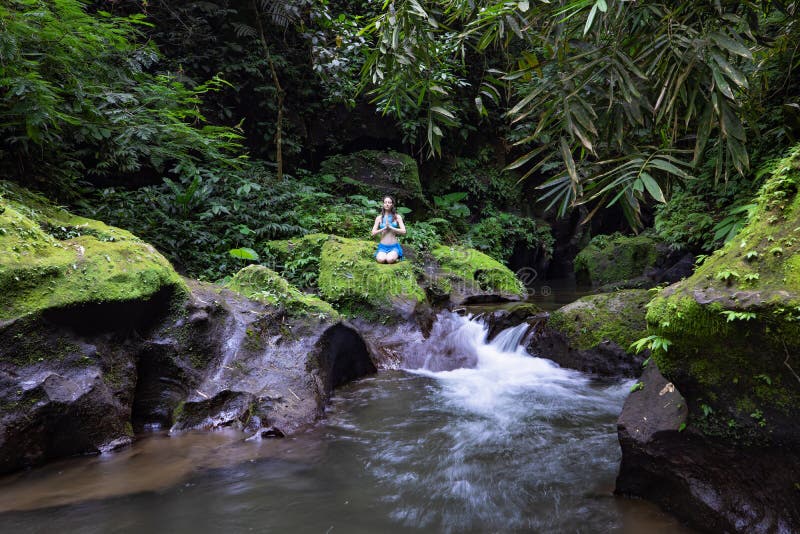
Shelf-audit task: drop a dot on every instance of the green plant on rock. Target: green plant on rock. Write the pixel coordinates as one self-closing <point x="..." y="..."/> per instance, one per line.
<point x="731" y="315"/>
<point x="653" y="342"/>
<point x="423" y="237"/>
<point x="727" y="275"/>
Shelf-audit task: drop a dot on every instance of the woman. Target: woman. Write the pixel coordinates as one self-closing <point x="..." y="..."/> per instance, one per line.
<point x="389" y="225"/>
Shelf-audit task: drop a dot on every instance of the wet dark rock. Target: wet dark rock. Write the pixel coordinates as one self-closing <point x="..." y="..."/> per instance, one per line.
<point x="270" y="366"/>
<point x="606" y="358"/>
<point x="594" y="334"/>
<point x="340" y="356"/>
<point x="60" y="395"/>
<point x="714" y="486"/>
<point x="272" y="432"/>
<point x="217" y="359"/>
<point x="509" y="315"/>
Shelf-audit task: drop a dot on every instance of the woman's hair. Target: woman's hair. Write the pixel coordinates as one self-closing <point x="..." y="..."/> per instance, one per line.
<point x="393" y="211"/>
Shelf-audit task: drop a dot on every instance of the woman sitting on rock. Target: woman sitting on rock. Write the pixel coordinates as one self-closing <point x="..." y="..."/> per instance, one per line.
<point x="388" y="224"/>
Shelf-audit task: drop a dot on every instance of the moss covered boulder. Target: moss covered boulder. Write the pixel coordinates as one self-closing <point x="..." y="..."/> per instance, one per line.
<point x="734" y="328"/>
<point x="735" y="324"/>
<point x="615" y="258"/>
<point x="76" y="299"/>
<point x="265" y="285"/>
<point x="50" y="258"/>
<point x="594" y="333"/>
<point x="375" y="173"/>
<point x="350" y="278"/>
<point x="469" y="276"/>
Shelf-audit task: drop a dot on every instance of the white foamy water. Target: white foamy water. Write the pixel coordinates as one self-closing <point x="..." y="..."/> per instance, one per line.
<point x="506" y="438"/>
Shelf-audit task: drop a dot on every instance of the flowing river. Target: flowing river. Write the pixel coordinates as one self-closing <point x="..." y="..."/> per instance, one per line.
<point x="511" y="444"/>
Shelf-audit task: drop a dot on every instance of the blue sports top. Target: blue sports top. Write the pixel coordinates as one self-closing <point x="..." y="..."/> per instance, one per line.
<point x="392" y="222"/>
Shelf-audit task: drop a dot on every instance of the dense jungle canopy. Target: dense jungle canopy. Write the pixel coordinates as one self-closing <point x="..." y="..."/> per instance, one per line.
<point x="211" y="126"/>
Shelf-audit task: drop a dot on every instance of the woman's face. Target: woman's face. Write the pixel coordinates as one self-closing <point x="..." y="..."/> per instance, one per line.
<point x="387" y="204"/>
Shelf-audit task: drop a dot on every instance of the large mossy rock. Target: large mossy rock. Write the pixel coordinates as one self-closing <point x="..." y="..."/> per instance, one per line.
<point x="735" y="332"/>
<point x="350" y="278"/>
<point x="100" y="339"/>
<point x="76" y="297"/>
<point x="735" y="324"/>
<point x="594" y="333"/>
<point x="50" y="258"/>
<point x="615" y="258"/>
<point x="376" y="173"/>
<point x="468" y="276"/>
<point x="272" y="369"/>
<point x="265" y="285"/>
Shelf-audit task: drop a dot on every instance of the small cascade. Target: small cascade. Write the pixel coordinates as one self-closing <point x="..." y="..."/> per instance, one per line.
<point x="509" y="339"/>
<point x="455" y="342"/>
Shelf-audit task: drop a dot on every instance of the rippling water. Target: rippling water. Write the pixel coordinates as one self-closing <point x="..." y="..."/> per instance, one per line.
<point x="515" y="444"/>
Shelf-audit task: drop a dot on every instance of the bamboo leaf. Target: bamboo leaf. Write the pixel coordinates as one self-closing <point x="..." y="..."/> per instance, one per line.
<point x="566" y="153"/>
<point x="590" y="19"/>
<point x="731" y="45"/>
<point x="730" y="71"/>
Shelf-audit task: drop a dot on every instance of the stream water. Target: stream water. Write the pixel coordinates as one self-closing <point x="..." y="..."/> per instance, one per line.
<point x="512" y="444"/>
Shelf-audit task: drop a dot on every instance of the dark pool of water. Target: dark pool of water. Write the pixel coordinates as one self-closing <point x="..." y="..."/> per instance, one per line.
<point x="516" y="445"/>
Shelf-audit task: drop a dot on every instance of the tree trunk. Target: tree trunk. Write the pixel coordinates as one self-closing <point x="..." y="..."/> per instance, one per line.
<point x="280" y="92"/>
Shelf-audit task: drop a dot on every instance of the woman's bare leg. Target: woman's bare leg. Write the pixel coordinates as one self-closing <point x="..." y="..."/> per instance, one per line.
<point x="391" y="257"/>
<point x="381" y="257"/>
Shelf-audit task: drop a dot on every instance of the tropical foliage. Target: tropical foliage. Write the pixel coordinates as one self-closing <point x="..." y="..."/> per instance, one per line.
<point x="81" y="98"/>
<point x="627" y="97"/>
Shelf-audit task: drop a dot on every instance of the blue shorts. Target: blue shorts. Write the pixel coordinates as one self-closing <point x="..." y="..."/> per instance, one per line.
<point x="390" y="248"/>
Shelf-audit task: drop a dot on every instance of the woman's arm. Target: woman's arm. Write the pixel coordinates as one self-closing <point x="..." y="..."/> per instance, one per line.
<point x="375" y="229"/>
<point x="401" y="228"/>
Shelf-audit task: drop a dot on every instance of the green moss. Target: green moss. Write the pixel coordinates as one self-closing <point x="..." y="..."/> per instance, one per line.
<point x="350" y="277"/>
<point x="265" y="285"/>
<point x="615" y="258"/>
<point x="50" y="258"/>
<point x="591" y="320"/>
<point x="178" y="411"/>
<point x="473" y="267"/>
<point x="734" y="336"/>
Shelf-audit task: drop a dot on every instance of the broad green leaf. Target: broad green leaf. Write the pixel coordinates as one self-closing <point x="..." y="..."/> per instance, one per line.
<point x="653" y="188"/>
<point x="569" y="162"/>
<point x="668" y="167"/>
<point x="244" y="254"/>
<point x="722" y="84"/>
<point x="731" y="125"/>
